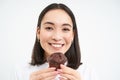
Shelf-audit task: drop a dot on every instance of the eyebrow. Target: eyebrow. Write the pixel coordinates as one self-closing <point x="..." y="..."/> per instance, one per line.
<point x="65" y="24"/>
<point x="49" y="23"/>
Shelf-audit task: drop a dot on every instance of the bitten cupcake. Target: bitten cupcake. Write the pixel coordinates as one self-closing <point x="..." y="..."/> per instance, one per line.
<point x="56" y="59"/>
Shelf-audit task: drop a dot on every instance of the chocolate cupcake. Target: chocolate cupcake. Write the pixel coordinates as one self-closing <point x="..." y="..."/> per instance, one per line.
<point x="56" y="59"/>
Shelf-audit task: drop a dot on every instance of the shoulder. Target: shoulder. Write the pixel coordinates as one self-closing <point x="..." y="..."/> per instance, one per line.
<point x="22" y="67"/>
<point x="87" y="72"/>
<point x="23" y="71"/>
<point x="26" y="68"/>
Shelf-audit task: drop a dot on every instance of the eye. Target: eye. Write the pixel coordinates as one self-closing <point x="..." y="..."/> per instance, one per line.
<point x="66" y="29"/>
<point x="48" y="28"/>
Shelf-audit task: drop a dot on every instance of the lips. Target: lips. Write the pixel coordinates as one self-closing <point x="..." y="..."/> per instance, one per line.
<point x="56" y="45"/>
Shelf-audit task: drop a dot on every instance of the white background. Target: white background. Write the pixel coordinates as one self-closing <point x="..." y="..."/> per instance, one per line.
<point x="99" y="33"/>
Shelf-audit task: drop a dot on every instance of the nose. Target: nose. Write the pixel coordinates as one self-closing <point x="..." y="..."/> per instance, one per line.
<point x="56" y="36"/>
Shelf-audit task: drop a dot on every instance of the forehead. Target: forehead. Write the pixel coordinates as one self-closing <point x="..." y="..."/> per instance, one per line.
<point x="57" y="16"/>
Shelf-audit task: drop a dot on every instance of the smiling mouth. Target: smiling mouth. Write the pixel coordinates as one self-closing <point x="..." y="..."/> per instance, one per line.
<point x="56" y="45"/>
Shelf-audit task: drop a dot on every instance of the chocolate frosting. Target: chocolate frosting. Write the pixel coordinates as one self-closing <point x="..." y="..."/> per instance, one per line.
<point x="56" y="59"/>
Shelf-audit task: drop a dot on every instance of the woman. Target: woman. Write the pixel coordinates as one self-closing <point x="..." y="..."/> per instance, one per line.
<point x="56" y="32"/>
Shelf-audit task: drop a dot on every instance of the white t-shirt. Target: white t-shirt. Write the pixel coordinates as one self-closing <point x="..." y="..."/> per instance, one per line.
<point x="23" y="72"/>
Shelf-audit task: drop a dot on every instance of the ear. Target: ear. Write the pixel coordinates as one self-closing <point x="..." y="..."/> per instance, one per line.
<point x="38" y="33"/>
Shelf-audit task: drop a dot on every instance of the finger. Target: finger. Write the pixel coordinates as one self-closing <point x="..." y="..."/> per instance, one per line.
<point x="50" y="78"/>
<point x="45" y="78"/>
<point x="69" y="71"/>
<point x="65" y="69"/>
<point x="44" y="71"/>
<point x="68" y="77"/>
<point x="62" y="78"/>
<point x="47" y="75"/>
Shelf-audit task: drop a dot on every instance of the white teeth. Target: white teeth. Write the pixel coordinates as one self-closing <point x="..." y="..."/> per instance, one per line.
<point x="57" y="45"/>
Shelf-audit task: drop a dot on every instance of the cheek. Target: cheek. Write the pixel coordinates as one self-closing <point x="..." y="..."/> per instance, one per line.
<point x="43" y="37"/>
<point x="69" y="38"/>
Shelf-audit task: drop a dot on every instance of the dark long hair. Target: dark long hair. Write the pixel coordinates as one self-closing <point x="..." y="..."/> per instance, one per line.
<point x="73" y="54"/>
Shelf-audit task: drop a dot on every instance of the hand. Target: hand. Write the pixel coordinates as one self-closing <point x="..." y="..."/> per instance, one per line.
<point x="45" y="74"/>
<point x="67" y="73"/>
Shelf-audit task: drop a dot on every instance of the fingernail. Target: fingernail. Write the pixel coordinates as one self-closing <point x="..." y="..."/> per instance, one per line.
<point x="61" y="65"/>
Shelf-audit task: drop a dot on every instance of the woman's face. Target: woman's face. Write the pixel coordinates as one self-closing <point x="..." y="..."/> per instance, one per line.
<point x="56" y="32"/>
